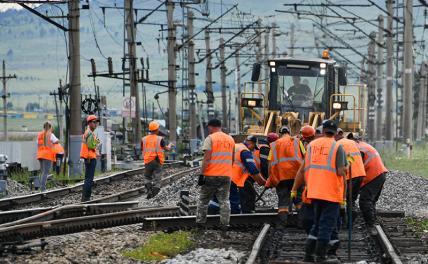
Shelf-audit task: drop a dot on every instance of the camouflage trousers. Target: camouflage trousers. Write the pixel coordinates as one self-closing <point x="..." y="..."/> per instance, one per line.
<point x="152" y="174"/>
<point x="218" y="186"/>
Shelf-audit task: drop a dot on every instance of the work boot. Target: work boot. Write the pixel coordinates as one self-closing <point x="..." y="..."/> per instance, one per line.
<point x="225" y="231"/>
<point x="320" y="254"/>
<point x="85" y="198"/>
<point x="153" y="192"/>
<point x="332" y="250"/>
<point x="310" y="250"/>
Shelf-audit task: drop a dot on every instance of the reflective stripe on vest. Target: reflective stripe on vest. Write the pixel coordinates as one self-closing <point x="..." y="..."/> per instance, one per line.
<point x="370" y="155"/>
<point x="221" y="161"/>
<point x="327" y="167"/>
<point x="284" y="159"/>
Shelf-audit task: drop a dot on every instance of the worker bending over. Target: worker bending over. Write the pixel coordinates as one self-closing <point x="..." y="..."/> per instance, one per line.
<point x="243" y="167"/>
<point x="89" y="153"/>
<point x="285" y="159"/>
<point x="355" y="174"/>
<point x="325" y="171"/>
<point x="216" y="173"/>
<point x="261" y="155"/>
<point x="372" y="184"/>
<point x="153" y="148"/>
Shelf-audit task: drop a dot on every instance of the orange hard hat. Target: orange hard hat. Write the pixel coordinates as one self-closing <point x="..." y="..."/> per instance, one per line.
<point x="307" y="131"/>
<point x="153" y="126"/>
<point x="91" y="118"/>
<point x="272" y="137"/>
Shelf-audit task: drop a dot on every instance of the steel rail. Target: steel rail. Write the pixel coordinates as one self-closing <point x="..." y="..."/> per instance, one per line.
<point x="28" y="231"/>
<point x="12" y="202"/>
<point x="74" y="210"/>
<point x="258" y="244"/>
<point x="387" y="246"/>
<point x="92" y="206"/>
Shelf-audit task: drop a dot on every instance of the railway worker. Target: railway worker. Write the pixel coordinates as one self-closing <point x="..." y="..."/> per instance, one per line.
<point x="89" y="152"/>
<point x="285" y="159"/>
<point x="45" y="154"/>
<point x="299" y="89"/>
<point x="216" y="173"/>
<point x="261" y="155"/>
<point x="153" y="147"/>
<point x="339" y="134"/>
<point x="306" y="213"/>
<point x="356" y="173"/>
<point x="325" y="170"/>
<point x="372" y="184"/>
<point x="243" y="167"/>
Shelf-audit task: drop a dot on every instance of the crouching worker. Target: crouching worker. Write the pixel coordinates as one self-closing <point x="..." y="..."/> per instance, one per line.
<point x="243" y="167"/>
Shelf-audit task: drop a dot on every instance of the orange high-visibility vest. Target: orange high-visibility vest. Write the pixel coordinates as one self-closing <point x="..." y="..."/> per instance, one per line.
<point x="372" y="162"/>
<point x="44" y="146"/>
<point x="286" y="160"/>
<point x="58" y="149"/>
<point x="357" y="166"/>
<point x="151" y="148"/>
<point x="221" y="160"/>
<point x="240" y="173"/>
<point x="322" y="180"/>
<point x="85" y="152"/>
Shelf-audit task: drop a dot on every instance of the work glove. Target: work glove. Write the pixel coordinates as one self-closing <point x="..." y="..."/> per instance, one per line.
<point x="293" y="195"/>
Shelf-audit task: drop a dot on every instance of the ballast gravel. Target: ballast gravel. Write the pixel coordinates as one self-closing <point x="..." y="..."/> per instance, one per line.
<point x="208" y="256"/>
<point x="406" y="192"/>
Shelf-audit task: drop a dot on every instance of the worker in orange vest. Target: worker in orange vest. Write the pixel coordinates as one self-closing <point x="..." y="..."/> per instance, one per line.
<point x="216" y="174"/>
<point x="261" y="154"/>
<point x="356" y="174"/>
<point x="372" y="184"/>
<point x="89" y="152"/>
<point x="45" y="154"/>
<point x="59" y="155"/>
<point x="245" y="173"/>
<point x="153" y="147"/>
<point x="325" y="171"/>
<point x="285" y="159"/>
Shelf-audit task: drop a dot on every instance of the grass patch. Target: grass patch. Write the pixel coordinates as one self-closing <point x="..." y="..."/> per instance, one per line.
<point x="399" y="161"/>
<point x="162" y="246"/>
<point x="419" y="224"/>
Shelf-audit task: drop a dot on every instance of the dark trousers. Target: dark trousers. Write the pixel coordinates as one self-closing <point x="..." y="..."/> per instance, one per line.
<point x="306" y="215"/>
<point x="283" y="190"/>
<point x="90" y="165"/>
<point x="247" y="196"/>
<point x="369" y="194"/>
<point x="326" y="215"/>
<point x="356" y="186"/>
<point x="58" y="162"/>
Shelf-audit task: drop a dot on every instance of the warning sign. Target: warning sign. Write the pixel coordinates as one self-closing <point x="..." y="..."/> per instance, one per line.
<point x="128" y="107"/>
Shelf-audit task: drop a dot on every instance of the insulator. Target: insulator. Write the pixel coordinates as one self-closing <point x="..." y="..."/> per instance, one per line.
<point x="110" y="65"/>
<point x="94" y="67"/>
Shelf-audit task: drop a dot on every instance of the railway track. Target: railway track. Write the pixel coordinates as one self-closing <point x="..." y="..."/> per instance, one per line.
<point x="102" y="187"/>
<point x="286" y="245"/>
<point x="8" y="216"/>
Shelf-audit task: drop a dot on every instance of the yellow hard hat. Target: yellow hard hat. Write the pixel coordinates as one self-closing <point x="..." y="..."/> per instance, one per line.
<point x="153" y="126"/>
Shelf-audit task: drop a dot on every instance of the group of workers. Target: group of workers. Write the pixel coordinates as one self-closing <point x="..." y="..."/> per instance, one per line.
<point x="317" y="172"/>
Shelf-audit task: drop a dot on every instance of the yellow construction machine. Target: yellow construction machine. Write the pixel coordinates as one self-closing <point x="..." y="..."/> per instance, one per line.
<point x="299" y="92"/>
